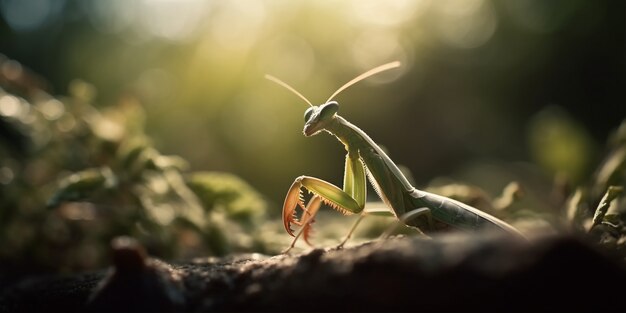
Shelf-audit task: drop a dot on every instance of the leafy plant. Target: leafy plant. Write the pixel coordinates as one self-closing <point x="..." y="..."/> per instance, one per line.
<point x="73" y="177"/>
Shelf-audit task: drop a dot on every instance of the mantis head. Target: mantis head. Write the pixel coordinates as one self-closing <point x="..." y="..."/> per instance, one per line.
<point x="317" y="117"/>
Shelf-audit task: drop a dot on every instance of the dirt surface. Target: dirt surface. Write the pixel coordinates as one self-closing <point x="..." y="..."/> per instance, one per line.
<point x="448" y="273"/>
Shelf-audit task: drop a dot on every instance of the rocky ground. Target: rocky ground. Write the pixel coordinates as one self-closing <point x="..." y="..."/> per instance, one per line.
<point x="447" y="273"/>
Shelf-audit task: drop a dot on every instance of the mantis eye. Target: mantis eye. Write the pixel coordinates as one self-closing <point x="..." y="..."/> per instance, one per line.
<point x="307" y="114"/>
<point x="329" y="109"/>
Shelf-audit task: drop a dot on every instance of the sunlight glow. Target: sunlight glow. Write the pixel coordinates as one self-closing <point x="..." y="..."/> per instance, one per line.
<point x="10" y="106"/>
<point x="375" y="47"/>
<point x="285" y="52"/>
<point x="386" y="13"/>
<point x="172" y="19"/>
<point x="52" y="109"/>
<point x="466" y="24"/>
<point x="237" y="24"/>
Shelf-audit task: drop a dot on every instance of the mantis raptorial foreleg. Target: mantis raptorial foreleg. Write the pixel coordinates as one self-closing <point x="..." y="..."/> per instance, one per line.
<point x="349" y="200"/>
<point x="323" y="192"/>
<point x="308" y="217"/>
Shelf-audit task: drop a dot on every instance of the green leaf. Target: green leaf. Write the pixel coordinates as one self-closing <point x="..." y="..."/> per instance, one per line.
<point x="237" y="198"/>
<point x="82" y="184"/>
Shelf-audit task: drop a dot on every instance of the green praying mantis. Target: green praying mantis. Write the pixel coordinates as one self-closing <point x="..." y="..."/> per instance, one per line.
<point x="408" y="204"/>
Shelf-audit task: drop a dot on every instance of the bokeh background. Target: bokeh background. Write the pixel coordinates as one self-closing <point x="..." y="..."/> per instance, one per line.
<point x="489" y="91"/>
<point x="475" y="75"/>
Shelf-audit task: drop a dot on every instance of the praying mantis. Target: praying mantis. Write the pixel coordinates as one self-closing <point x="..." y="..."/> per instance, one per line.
<point x="365" y="160"/>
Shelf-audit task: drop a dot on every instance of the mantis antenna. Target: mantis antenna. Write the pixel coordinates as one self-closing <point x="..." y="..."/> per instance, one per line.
<point x="282" y="83"/>
<point x="365" y="75"/>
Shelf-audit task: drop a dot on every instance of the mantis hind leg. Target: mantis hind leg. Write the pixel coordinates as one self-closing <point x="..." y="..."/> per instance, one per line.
<point x="406" y="217"/>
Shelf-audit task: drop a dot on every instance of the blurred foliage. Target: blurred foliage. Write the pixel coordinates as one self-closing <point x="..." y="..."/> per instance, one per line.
<point x="74" y="177"/>
<point x="599" y="207"/>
